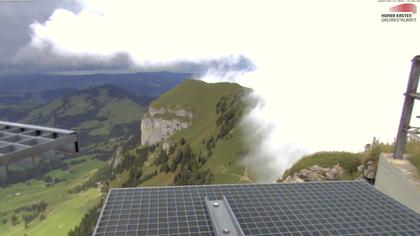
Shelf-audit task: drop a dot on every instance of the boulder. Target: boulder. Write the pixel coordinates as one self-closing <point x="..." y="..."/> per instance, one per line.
<point x="370" y="170"/>
<point x="316" y="173"/>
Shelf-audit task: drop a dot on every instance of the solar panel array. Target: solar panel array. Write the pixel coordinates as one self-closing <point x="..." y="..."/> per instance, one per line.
<point x="317" y="208"/>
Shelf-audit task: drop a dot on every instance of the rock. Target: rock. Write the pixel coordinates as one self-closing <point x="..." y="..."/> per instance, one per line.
<point x="165" y="147"/>
<point x="294" y="179"/>
<point x="335" y="173"/>
<point x="369" y="172"/>
<point x="118" y="158"/>
<point x="157" y="127"/>
<point x="316" y="173"/>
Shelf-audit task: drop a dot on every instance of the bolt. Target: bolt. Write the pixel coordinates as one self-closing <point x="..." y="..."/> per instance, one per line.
<point x="226" y="231"/>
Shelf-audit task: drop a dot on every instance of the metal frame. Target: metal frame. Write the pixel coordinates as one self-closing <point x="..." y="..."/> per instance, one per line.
<point x="19" y="141"/>
<point x="222" y="218"/>
<point x="410" y="96"/>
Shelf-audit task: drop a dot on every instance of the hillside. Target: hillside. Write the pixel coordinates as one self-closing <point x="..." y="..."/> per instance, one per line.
<point x="101" y="115"/>
<point x="191" y="135"/>
<point x="361" y="165"/>
<point x="15" y="105"/>
<point x="105" y="117"/>
<point x="212" y="112"/>
<point x="348" y="161"/>
<point x="194" y="137"/>
<point x="19" y="94"/>
<point x="209" y="149"/>
<point x="63" y="210"/>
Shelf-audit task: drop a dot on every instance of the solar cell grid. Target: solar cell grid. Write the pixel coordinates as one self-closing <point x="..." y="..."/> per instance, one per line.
<point x="328" y="208"/>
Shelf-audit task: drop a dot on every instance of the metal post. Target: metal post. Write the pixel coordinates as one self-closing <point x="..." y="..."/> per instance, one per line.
<point x="35" y="162"/>
<point x="410" y="95"/>
<point x="3" y="172"/>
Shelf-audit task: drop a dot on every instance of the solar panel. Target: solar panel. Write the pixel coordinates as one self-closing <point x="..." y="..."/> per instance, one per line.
<point x="315" y="208"/>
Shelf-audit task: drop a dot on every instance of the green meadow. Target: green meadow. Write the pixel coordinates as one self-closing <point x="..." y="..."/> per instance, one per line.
<point x="64" y="211"/>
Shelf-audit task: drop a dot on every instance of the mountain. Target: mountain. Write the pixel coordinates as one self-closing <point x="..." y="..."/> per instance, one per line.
<point x="190" y="135"/>
<point x="52" y="199"/>
<point x="107" y="118"/>
<point x="151" y="84"/>
<point x="16" y="105"/>
<point x="22" y="93"/>
<point x="102" y="115"/>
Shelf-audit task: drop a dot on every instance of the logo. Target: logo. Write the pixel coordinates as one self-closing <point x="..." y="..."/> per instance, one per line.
<point x="406" y="7"/>
<point x="400" y="13"/>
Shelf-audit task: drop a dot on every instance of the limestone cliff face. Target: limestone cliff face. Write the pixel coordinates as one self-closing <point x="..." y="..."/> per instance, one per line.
<point x="158" y="124"/>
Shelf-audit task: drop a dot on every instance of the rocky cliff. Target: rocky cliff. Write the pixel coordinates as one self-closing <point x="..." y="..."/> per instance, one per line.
<point x="315" y="173"/>
<point x="118" y="158"/>
<point x="158" y="124"/>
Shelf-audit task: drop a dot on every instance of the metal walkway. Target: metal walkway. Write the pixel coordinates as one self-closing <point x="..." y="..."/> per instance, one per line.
<point x="20" y="141"/>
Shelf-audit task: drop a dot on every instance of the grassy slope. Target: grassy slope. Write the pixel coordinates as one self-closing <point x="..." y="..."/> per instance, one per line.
<point x="64" y="210"/>
<point x="415" y="160"/>
<point x="94" y="112"/>
<point x="413" y="148"/>
<point x="348" y="161"/>
<point x="110" y="110"/>
<point x="201" y="98"/>
<point x="110" y="107"/>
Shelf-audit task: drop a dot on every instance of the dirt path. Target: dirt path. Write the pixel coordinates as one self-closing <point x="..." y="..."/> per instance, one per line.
<point x="224" y="169"/>
<point x="242" y="179"/>
<point x="245" y="178"/>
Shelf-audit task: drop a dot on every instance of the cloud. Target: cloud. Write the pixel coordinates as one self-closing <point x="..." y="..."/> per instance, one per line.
<point x="34" y="60"/>
<point x="15" y="17"/>
<point x="45" y="59"/>
<point x="93" y="38"/>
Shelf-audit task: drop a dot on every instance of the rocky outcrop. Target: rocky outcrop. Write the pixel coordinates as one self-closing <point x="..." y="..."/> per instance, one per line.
<point x="316" y="173"/>
<point x="159" y="124"/>
<point x="178" y="111"/>
<point x="118" y="158"/>
<point x="368" y="171"/>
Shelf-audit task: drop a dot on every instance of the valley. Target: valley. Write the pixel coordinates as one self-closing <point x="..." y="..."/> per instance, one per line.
<point x="189" y="135"/>
<point x="105" y="116"/>
<point x="64" y="209"/>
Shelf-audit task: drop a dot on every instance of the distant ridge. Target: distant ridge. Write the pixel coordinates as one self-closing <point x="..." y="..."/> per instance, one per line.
<point x="151" y="84"/>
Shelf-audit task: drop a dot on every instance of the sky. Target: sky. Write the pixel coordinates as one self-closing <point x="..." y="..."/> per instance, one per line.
<point x="328" y="74"/>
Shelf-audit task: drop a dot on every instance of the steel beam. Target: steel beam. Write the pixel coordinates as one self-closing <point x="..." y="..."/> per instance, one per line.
<point x="222" y="218"/>
<point x="20" y="141"/>
<point x="35" y="127"/>
<point x="37" y="149"/>
<point x="410" y="96"/>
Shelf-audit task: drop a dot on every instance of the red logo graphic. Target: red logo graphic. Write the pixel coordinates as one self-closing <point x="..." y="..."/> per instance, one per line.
<point x="406" y="7"/>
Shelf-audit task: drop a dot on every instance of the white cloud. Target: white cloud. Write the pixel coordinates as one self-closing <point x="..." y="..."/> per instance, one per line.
<point x="330" y="73"/>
